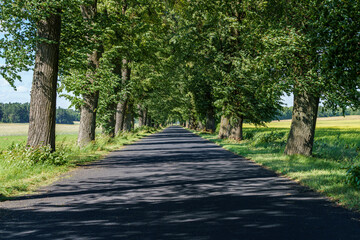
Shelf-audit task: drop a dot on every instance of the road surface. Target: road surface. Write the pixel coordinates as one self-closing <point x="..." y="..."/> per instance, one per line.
<point x="175" y="185"/>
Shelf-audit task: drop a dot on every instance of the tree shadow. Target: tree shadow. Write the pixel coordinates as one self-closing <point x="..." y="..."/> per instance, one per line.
<point x="197" y="191"/>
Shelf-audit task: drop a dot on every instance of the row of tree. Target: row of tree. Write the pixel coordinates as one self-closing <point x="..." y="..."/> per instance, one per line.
<point x="199" y="62"/>
<point x="241" y="56"/>
<point x="19" y="113"/>
<point x="286" y="112"/>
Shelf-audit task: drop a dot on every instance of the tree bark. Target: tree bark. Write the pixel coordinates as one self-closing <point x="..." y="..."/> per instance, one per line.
<point x="122" y="105"/>
<point x="237" y="130"/>
<point x="210" y="121"/>
<point x="187" y="124"/>
<point x="129" y="116"/>
<point x="43" y="91"/>
<point x="302" y="131"/>
<point x="225" y="127"/>
<point x="89" y="107"/>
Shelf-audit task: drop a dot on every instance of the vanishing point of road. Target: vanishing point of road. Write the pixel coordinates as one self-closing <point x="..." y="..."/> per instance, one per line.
<point x="175" y="185"/>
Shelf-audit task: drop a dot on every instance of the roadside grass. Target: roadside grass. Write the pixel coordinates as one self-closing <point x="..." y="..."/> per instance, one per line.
<point x="23" y="170"/>
<point x="335" y="150"/>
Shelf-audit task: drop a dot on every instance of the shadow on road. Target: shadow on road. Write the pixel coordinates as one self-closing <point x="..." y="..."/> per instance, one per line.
<point x="174" y="185"/>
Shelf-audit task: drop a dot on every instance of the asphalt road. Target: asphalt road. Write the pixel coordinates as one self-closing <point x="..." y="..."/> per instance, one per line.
<point x="175" y="185"/>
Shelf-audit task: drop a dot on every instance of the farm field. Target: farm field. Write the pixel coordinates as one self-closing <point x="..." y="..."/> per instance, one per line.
<point x="14" y="133"/>
<point x="347" y="122"/>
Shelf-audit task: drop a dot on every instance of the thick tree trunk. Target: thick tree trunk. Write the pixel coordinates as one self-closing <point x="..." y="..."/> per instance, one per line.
<point x="122" y="105"/>
<point x="120" y="116"/>
<point x="210" y="120"/>
<point x="91" y="98"/>
<point x="225" y="127"/>
<point x="302" y="131"/>
<point x="110" y="125"/>
<point x="88" y="118"/>
<point x="237" y="130"/>
<point x="129" y="116"/>
<point x="187" y="124"/>
<point x="43" y="91"/>
<point x="148" y="120"/>
<point x="145" y="112"/>
<point x="142" y="115"/>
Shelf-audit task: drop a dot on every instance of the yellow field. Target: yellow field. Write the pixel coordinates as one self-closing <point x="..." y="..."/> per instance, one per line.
<point x="347" y="122"/>
<point x="20" y="129"/>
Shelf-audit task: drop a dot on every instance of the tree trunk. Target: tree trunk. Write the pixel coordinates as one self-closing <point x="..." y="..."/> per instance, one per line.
<point x="225" y="128"/>
<point x="210" y="121"/>
<point x="91" y="98"/>
<point x="43" y="91"/>
<point x="88" y="118"/>
<point x="129" y="116"/>
<point x="122" y="105"/>
<point x="237" y="130"/>
<point x="187" y="124"/>
<point x="148" y="121"/>
<point x="145" y="112"/>
<point x="302" y="131"/>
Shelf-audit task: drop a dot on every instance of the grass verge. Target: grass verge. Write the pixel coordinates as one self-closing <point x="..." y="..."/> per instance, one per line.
<point x="24" y="170"/>
<point x="335" y="151"/>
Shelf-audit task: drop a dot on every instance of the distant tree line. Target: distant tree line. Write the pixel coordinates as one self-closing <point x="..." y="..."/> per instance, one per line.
<point x="286" y="112"/>
<point x="19" y="113"/>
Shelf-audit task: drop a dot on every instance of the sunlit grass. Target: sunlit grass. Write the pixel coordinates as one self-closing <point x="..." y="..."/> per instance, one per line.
<point x="18" y="177"/>
<point x="335" y="149"/>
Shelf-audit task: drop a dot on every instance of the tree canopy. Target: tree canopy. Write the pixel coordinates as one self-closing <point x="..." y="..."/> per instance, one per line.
<point x="200" y="63"/>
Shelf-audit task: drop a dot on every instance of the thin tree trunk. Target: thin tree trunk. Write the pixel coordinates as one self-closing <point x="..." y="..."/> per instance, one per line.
<point x="225" y="127"/>
<point x="302" y="131"/>
<point x="237" y="130"/>
<point x="91" y="98"/>
<point x="43" y="91"/>
<point x="141" y="115"/>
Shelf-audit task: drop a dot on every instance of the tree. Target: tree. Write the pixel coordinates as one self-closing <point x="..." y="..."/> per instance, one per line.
<point x="33" y="37"/>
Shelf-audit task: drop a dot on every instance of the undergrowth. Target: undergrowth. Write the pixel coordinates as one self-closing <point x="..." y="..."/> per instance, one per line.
<point x="23" y="169"/>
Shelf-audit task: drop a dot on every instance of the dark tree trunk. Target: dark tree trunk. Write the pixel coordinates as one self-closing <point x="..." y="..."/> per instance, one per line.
<point x="210" y="120"/>
<point x="43" y="91"/>
<point x="110" y="125"/>
<point x="148" y="121"/>
<point x="122" y="105"/>
<point x="302" y="131"/>
<point x="129" y="116"/>
<point x="225" y="127"/>
<point x="142" y="115"/>
<point x="89" y="107"/>
<point x="237" y="130"/>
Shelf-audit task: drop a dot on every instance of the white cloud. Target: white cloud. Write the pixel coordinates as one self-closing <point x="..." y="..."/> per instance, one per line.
<point x="23" y="89"/>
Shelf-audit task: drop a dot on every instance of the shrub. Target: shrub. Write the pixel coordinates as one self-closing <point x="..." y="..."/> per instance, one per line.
<point x="353" y="175"/>
<point x="19" y="154"/>
<point x="267" y="137"/>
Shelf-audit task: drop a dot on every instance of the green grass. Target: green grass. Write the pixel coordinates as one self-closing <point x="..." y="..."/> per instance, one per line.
<point x="335" y="150"/>
<point x="21" y="171"/>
